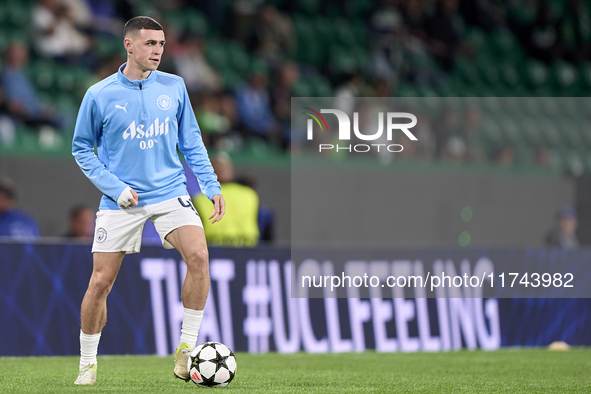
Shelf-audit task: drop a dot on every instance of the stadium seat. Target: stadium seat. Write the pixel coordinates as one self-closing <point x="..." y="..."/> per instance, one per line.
<point x="310" y="49"/>
<point x="332" y="9"/>
<point x="575" y="163"/>
<point x="65" y="82"/>
<point x="360" y="32"/>
<point x="84" y="79"/>
<point x="417" y="62"/>
<point x="302" y="89"/>
<point x="512" y="106"/>
<point x="238" y="57"/>
<point x="257" y="148"/>
<point x="476" y="38"/>
<point x="195" y="22"/>
<point x="66" y="104"/>
<point x="309" y="7"/>
<point x="511" y="130"/>
<point x="177" y="19"/>
<point x="430" y="104"/>
<point x="543" y="91"/>
<point x="585" y="74"/>
<point x="360" y="8"/>
<point x="17" y="14"/>
<point x="259" y="66"/>
<point x="106" y="46"/>
<point x="587" y="161"/>
<point x="42" y="74"/>
<point x="557" y="8"/>
<point x="325" y="31"/>
<point x="570" y="108"/>
<point x="492" y="132"/>
<point x="585" y="127"/>
<point x="146" y="8"/>
<point x="27" y="139"/>
<point x="551" y="133"/>
<point x="406" y="90"/>
<point x="4" y="40"/>
<point x="523" y="13"/>
<point x="509" y="75"/>
<point x="321" y="87"/>
<point x="569" y="131"/>
<point x="362" y="60"/>
<point x="16" y="34"/>
<point x="314" y="53"/>
<point x="488" y="72"/>
<point x="231" y="78"/>
<point x="521" y="91"/>
<point x="463" y="89"/>
<point x="531" y="131"/>
<point x="344" y="32"/>
<point x="446" y="90"/>
<point x="342" y="61"/>
<point x="564" y="76"/>
<point x="536" y="74"/>
<point x="303" y="26"/>
<point x="502" y="41"/>
<point x="466" y="70"/>
<point x="491" y="106"/>
<point x="277" y="3"/>
<point x="549" y="107"/>
<point x="3" y="14"/>
<point x="216" y="54"/>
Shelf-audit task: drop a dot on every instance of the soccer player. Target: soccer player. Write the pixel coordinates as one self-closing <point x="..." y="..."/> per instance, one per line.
<point x="137" y="117"/>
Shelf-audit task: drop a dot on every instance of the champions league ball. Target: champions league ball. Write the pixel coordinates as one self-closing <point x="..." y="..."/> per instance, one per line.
<point x="212" y="364"/>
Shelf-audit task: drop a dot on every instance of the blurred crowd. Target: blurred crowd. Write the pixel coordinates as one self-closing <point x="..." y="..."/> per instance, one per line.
<point x="243" y="61"/>
<point x="252" y="101"/>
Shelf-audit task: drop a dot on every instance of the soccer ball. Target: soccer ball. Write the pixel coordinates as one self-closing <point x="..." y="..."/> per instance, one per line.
<point x="212" y="364"/>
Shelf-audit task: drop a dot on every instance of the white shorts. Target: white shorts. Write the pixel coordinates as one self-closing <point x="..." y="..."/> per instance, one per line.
<point x="121" y="230"/>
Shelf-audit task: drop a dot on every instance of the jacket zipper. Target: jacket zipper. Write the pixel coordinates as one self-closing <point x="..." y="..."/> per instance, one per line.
<point x="144" y="114"/>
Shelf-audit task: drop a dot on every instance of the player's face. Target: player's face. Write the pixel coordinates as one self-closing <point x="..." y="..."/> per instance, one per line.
<point x="145" y="49"/>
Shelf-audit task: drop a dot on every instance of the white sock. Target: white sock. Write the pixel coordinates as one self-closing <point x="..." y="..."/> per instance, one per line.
<point x="190" y="328"/>
<point x="88" y="348"/>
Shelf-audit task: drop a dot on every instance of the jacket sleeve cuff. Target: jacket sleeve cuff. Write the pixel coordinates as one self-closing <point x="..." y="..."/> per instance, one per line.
<point x="118" y="192"/>
<point x="213" y="191"/>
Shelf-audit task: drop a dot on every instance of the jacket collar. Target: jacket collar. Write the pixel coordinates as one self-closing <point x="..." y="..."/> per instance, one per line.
<point x="123" y="80"/>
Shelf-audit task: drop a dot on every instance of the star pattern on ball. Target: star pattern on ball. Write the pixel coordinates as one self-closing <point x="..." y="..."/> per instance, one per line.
<point x="220" y="362"/>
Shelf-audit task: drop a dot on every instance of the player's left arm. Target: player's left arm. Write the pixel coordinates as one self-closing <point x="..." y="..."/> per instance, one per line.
<point x="219" y="208"/>
<point x="192" y="147"/>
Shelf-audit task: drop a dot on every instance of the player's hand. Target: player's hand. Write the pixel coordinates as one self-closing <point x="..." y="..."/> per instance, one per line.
<point x="135" y="200"/>
<point x="128" y="198"/>
<point x="219" y="208"/>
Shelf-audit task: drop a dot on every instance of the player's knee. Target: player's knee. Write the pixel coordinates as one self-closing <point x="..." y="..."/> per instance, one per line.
<point x="100" y="286"/>
<point x="198" y="261"/>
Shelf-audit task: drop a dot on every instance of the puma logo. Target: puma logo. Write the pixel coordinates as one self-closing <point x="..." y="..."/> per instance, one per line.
<point x="123" y="108"/>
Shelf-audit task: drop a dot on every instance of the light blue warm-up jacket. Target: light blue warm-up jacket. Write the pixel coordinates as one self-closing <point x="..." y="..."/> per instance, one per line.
<point x="137" y="126"/>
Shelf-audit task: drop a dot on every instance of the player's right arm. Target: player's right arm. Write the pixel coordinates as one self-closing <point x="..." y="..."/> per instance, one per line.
<point x="87" y="131"/>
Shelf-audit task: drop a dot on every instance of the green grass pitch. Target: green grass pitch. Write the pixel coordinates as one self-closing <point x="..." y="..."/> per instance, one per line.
<point x="503" y="371"/>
